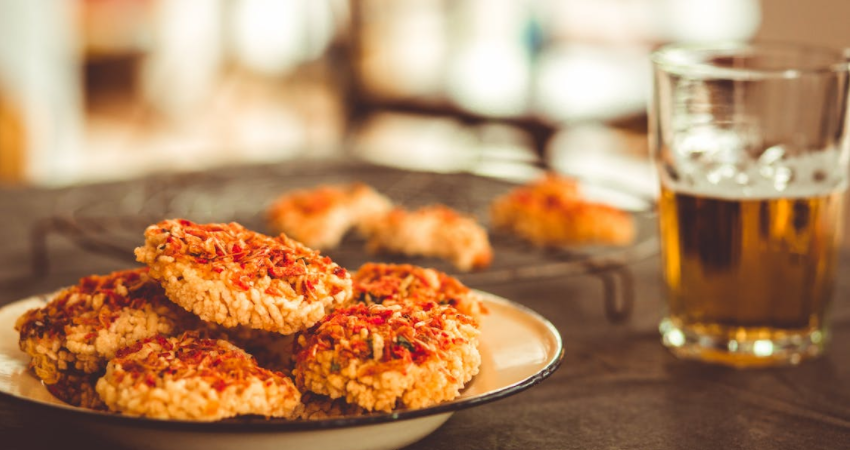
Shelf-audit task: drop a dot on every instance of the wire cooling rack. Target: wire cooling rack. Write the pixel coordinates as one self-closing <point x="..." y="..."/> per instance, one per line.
<point x="111" y="220"/>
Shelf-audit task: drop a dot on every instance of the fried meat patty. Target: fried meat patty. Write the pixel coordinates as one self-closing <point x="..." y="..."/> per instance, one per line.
<point x="433" y="231"/>
<point x="391" y="284"/>
<point x="227" y="274"/>
<point x="193" y="378"/>
<point x="551" y="212"/>
<point x="386" y="357"/>
<point x="83" y="326"/>
<point x="321" y="217"/>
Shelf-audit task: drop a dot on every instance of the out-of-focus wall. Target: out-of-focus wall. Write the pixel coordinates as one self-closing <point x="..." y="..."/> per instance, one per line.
<point x="821" y="22"/>
<point x="145" y="89"/>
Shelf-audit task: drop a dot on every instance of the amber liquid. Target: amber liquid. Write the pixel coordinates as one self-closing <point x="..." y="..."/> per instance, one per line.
<point x="741" y="270"/>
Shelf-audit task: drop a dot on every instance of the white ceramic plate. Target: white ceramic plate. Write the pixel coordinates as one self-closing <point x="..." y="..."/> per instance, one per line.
<point x="519" y="348"/>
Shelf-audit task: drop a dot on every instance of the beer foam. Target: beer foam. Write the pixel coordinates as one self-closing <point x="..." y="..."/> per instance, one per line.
<point x="772" y="175"/>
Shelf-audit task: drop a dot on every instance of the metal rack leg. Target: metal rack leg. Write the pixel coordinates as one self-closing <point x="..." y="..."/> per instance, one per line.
<point x="618" y="291"/>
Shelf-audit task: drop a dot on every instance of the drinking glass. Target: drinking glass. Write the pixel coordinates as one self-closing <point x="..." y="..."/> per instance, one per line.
<point x="750" y="142"/>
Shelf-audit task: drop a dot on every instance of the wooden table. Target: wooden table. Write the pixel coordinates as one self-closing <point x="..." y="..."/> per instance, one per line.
<point x="617" y="387"/>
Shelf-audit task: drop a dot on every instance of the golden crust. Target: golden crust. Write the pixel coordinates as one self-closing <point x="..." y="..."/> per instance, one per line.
<point x="386" y="357"/>
<point x="551" y="213"/>
<point x="320" y="217"/>
<point x="85" y="325"/>
<point x="405" y="284"/>
<point x="193" y="378"/>
<point x="227" y="274"/>
<point x="435" y="231"/>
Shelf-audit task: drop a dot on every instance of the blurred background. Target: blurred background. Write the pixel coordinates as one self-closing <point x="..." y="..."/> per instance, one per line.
<point x="94" y="90"/>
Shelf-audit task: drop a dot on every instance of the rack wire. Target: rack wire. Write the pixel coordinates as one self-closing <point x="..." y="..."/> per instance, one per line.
<point x="112" y="223"/>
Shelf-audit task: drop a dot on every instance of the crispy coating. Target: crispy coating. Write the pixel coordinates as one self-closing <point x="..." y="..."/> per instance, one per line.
<point x="435" y="231"/>
<point x="552" y="213"/>
<point x="232" y="276"/>
<point x="386" y="357"/>
<point x="405" y="284"/>
<point x="193" y="378"/>
<point x="85" y="325"/>
<point x="320" y="217"/>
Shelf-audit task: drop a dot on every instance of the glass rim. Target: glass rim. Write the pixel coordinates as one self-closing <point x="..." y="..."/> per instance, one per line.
<point x="678" y="58"/>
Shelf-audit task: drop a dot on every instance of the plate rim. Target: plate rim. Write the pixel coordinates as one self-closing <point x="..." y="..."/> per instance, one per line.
<point x="258" y="425"/>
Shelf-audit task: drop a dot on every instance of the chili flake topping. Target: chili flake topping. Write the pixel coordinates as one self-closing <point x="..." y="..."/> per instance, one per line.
<point x="218" y="362"/>
<point x="196" y="378"/>
<point x="390" y="284"/>
<point x="96" y="302"/>
<point x="227" y="274"/>
<point x="241" y="255"/>
<point x="409" y="334"/>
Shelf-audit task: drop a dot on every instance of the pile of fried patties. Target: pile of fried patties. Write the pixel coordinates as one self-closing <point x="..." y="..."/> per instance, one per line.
<point x="224" y="321"/>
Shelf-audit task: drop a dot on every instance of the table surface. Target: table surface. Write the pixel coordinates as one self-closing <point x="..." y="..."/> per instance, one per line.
<point x="616" y="388"/>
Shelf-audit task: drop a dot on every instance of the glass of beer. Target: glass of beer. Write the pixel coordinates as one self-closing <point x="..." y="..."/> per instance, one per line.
<point x="751" y="146"/>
